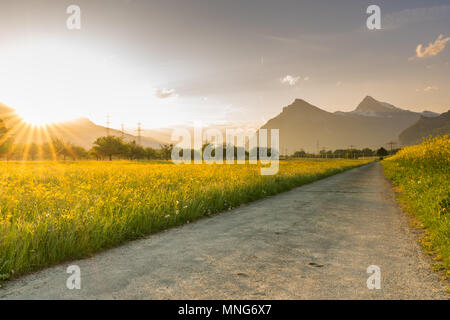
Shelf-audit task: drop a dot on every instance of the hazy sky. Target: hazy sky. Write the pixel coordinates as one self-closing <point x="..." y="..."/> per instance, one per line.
<point x="173" y="62"/>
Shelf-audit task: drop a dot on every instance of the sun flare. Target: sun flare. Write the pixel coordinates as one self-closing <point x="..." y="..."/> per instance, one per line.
<point x="36" y="119"/>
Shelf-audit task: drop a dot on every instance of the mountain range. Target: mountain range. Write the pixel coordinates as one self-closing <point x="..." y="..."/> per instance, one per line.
<point x="372" y="124"/>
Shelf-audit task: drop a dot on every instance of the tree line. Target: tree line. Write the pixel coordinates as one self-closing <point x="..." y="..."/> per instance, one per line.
<point x="107" y="147"/>
<point x="345" y="153"/>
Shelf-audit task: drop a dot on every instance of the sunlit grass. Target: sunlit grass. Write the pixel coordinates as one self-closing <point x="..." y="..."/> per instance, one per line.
<point x="51" y="212"/>
<point x="422" y="174"/>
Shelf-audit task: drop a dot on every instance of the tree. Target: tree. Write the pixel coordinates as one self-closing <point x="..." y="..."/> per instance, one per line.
<point x="340" y="153"/>
<point x="367" y="152"/>
<point x="150" y="153"/>
<point x="135" y="151"/>
<point x="48" y="151"/>
<point x="110" y="146"/>
<point x="78" y="152"/>
<point x="382" y="152"/>
<point x="94" y="154"/>
<point x="353" y="153"/>
<point x="166" y="151"/>
<point x="33" y="151"/>
<point x="300" y="154"/>
<point x="61" y="148"/>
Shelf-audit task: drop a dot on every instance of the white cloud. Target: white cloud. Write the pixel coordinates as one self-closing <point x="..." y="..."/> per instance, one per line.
<point x="290" y="80"/>
<point x="433" y="48"/>
<point x="165" y="93"/>
<point x="430" y="88"/>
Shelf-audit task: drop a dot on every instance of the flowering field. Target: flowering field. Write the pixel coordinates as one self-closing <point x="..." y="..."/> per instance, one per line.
<point x="52" y="211"/>
<point x="422" y="174"/>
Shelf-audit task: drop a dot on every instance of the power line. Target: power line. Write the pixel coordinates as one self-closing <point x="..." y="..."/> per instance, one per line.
<point x="139" y="131"/>
<point x="391" y="144"/>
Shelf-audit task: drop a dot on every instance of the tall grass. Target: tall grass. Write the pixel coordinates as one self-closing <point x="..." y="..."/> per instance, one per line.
<point x="51" y="212"/>
<point x="422" y="173"/>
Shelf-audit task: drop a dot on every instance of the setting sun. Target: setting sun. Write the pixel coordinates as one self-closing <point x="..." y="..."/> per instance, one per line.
<point x="36" y="118"/>
<point x="50" y="82"/>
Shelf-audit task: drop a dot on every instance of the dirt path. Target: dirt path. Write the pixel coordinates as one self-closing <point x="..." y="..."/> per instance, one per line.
<point x="314" y="242"/>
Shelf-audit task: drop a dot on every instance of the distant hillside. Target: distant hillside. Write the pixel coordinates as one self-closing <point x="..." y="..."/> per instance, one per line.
<point x="81" y="132"/>
<point x="8" y="114"/>
<point x="426" y="127"/>
<point x="372" y="124"/>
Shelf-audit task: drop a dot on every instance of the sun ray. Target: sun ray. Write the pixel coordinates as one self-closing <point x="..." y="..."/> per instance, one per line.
<point x="28" y="143"/>
<point x="21" y="129"/>
<point x="50" y="142"/>
<point x="67" y="132"/>
<point x="40" y="144"/>
<point x="11" y="131"/>
<point x="62" y="127"/>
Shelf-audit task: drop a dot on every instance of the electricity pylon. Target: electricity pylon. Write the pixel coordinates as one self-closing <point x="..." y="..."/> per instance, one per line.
<point x="107" y="125"/>
<point x="391" y="144"/>
<point x="139" y="131"/>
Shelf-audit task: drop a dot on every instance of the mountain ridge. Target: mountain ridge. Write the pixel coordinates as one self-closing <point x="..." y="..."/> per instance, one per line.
<point x="372" y="124"/>
<point x="426" y="127"/>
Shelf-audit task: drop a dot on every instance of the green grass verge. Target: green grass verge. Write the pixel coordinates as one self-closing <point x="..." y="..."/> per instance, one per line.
<point x="421" y="175"/>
